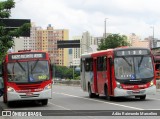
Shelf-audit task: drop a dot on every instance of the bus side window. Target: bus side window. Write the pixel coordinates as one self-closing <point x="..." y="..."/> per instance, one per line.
<point x="86" y="65"/>
<point x="89" y="64"/>
<point x="157" y="66"/>
<point x="104" y="63"/>
<point x="99" y="64"/>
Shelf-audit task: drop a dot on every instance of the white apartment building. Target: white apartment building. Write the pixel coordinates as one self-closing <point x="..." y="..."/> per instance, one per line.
<point x="33" y="36"/>
<point x="21" y="43"/>
<point x="76" y="52"/>
<point x="87" y="44"/>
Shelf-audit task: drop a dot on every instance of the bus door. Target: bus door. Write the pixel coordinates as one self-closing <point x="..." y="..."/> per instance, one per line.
<point x="110" y="73"/>
<point x="95" y="75"/>
<point x="101" y="73"/>
<point x="83" y="79"/>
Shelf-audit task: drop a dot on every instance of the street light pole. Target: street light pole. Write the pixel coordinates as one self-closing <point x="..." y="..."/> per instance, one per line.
<point x="153" y="36"/>
<point x="71" y="64"/>
<point x="105" y="27"/>
<point x="73" y="71"/>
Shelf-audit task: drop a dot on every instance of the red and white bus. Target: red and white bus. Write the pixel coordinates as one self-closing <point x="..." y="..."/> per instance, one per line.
<point x="27" y="76"/>
<point x="118" y="72"/>
<point x="156" y="55"/>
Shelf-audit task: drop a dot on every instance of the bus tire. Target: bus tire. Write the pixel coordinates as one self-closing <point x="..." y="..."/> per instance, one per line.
<point x="4" y="99"/>
<point x="106" y="94"/>
<point x="91" y="95"/>
<point x="142" y="97"/>
<point x="10" y="103"/>
<point x="44" y="102"/>
<point x="97" y="95"/>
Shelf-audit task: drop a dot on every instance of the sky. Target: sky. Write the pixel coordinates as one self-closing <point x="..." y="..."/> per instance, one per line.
<point x="122" y="16"/>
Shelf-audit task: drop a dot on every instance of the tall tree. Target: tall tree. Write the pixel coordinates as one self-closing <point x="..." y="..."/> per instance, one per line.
<point x="6" y="37"/>
<point x="113" y="41"/>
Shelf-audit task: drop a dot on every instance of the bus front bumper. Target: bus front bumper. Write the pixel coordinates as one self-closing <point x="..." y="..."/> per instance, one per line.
<point x="147" y="91"/>
<point x="14" y="96"/>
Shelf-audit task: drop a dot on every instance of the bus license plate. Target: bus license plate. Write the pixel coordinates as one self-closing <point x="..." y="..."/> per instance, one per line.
<point x="29" y="94"/>
<point x="136" y="91"/>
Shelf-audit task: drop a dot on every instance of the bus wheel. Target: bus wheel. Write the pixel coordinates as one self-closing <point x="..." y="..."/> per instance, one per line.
<point x="91" y="95"/>
<point x="142" y="97"/>
<point x="97" y="95"/>
<point x="44" y="102"/>
<point x="4" y="98"/>
<point x="10" y="103"/>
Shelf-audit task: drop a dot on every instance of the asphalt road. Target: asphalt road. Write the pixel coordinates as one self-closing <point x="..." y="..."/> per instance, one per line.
<point x="68" y="99"/>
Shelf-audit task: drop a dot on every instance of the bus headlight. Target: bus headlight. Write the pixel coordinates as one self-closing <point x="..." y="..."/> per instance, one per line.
<point x="49" y="86"/>
<point x="118" y="85"/>
<point x="151" y="83"/>
<point x="10" y="89"/>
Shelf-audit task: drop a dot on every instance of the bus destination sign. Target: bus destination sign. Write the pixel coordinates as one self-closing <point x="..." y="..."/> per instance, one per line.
<point x="132" y="52"/>
<point x="26" y="56"/>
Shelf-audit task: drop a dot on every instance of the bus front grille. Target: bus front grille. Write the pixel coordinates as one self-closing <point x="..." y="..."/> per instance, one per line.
<point x="29" y="96"/>
<point x="28" y="87"/>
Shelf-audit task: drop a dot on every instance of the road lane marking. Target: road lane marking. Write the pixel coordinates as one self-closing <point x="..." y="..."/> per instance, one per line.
<point x="152" y="109"/>
<point x="154" y="98"/>
<point x="100" y="101"/>
<point x="59" y="106"/>
<point x="67" y="109"/>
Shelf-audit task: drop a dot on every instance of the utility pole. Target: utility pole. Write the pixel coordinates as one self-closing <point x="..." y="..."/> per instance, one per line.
<point x="154" y="44"/>
<point x="105" y="27"/>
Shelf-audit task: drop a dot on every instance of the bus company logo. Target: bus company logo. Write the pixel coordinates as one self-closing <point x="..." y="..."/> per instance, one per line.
<point x="133" y="77"/>
<point x="6" y="113"/>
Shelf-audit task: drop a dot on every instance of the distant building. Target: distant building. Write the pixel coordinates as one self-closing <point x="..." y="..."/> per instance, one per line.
<point x="158" y="43"/>
<point x="97" y="40"/>
<point x="152" y="43"/>
<point x="88" y="43"/>
<point x="76" y="53"/>
<point x="21" y="43"/>
<point x="135" y="41"/>
<point x="45" y="40"/>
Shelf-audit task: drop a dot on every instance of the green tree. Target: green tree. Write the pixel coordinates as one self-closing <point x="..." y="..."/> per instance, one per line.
<point x="6" y="38"/>
<point x="113" y="41"/>
<point x="65" y="72"/>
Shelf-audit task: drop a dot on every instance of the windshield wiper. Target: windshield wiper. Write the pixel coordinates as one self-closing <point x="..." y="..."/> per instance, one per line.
<point x="20" y="65"/>
<point x="139" y="64"/>
<point x="127" y="61"/>
<point x="35" y="64"/>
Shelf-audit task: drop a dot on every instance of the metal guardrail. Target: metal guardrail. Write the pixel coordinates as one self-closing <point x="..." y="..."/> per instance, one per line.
<point x="158" y="84"/>
<point x="68" y="82"/>
<point x="77" y="82"/>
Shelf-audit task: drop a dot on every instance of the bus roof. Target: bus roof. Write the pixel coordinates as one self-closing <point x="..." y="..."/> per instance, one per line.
<point x="110" y="51"/>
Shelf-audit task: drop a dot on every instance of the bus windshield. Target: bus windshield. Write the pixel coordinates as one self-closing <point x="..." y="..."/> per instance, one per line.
<point x="133" y="68"/>
<point x="27" y="72"/>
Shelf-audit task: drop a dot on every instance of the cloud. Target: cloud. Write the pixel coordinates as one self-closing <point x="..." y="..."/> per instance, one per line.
<point x="125" y="16"/>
